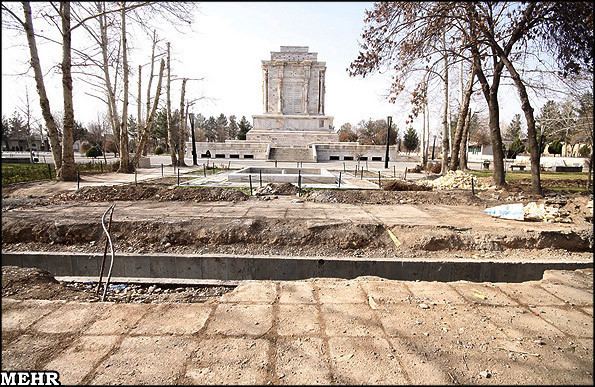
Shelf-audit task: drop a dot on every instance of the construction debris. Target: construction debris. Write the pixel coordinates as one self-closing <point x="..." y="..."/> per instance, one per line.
<point x="277" y="189"/>
<point x="532" y="211"/>
<point x="455" y="180"/>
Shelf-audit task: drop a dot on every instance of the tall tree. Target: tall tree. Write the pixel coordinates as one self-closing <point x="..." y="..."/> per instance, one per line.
<point x="211" y="129"/>
<point x="410" y="139"/>
<point x="221" y="131"/>
<point x="244" y="127"/>
<point x="232" y="129"/>
<point x="125" y="166"/>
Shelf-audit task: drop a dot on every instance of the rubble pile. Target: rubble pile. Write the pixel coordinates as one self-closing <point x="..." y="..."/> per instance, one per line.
<point x="455" y="180"/>
<point x="276" y="189"/>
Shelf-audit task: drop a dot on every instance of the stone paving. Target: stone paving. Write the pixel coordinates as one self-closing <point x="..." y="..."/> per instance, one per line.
<point x="320" y="331"/>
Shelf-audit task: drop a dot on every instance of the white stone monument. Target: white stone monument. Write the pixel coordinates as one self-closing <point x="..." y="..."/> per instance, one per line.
<point x="293" y="101"/>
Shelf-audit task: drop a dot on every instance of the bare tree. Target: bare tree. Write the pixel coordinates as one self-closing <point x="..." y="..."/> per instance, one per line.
<point x="170" y="128"/>
<point x="124" y="155"/>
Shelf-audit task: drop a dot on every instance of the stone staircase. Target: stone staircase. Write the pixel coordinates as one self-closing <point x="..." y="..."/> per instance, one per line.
<point x="291" y="154"/>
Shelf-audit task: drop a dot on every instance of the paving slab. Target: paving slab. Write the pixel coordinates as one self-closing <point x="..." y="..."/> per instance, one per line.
<point x="302" y="360"/>
<point x="338" y="292"/>
<point x="434" y="293"/>
<point x="350" y="320"/>
<point x="519" y="322"/>
<point x="487" y="294"/>
<point x="296" y="320"/>
<point x="81" y="358"/>
<point x="530" y="293"/>
<point x="31" y="351"/>
<point x="570" y="321"/>
<point x="364" y="360"/>
<point x="291" y="292"/>
<point x="229" y="361"/>
<point x="146" y="360"/>
<point x="70" y="318"/>
<point x="569" y="294"/>
<point x="118" y="319"/>
<point x="253" y="292"/>
<point x="383" y="292"/>
<point x="240" y="319"/>
<point x="180" y="319"/>
<point x="23" y="314"/>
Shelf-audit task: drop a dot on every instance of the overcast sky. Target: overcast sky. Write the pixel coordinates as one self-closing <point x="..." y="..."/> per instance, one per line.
<point x="225" y="45"/>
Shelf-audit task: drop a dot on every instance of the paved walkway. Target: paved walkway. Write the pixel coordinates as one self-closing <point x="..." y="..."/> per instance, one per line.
<point x="319" y="331"/>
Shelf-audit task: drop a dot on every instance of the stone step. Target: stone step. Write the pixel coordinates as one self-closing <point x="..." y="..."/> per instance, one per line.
<point x="291" y="154"/>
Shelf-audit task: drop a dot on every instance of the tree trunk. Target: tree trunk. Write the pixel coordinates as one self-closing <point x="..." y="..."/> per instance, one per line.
<point x="454" y="163"/>
<point x="44" y="102"/>
<point x="170" y="129"/>
<point x="124" y="156"/>
<point x="110" y="90"/>
<point x="151" y="116"/>
<point x="531" y="131"/>
<point x="445" y="123"/>
<point x="149" y="88"/>
<point x="182" y="127"/>
<point x="68" y="170"/>
<point x="464" y="148"/>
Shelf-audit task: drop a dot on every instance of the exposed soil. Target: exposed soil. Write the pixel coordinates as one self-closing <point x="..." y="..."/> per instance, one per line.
<point x="400" y="185"/>
<point x="33" y="283"/>
<point x="277" y="189"/>
<point x="458" y="197"/>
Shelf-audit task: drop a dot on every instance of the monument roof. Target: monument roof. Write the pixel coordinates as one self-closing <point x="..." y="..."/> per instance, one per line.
<point x="294" y="53"/>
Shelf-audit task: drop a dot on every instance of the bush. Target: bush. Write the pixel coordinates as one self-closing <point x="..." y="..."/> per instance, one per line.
<point x="158" y="150"/>
<point x="434" y="166"/>
<point x="94" y="152"/>
<point x="585" y="151"/>
<point x="555" y="148"/>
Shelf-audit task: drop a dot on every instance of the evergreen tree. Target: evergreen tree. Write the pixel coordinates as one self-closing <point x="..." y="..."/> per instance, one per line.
<point x="159" y="130"/>
<point x="210" y="129"/>
<point x="232" y="129"/>
<point x="514" y="131"/>
<point x="244" y="126"/>
<point x="411" y="141"/>
<point x="221" y="131"/>
<point x="79" y="132"/>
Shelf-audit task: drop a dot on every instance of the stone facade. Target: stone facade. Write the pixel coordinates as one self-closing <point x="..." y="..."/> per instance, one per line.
<point x="293" y="90"/>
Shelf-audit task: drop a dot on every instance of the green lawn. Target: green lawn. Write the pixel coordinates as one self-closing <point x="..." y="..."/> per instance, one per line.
<point x="19" y="173"/>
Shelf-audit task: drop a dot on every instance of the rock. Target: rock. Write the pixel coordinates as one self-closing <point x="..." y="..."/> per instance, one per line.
<point x="539" y="342"/>
<point x="485" y="374"/>
<point x="424" y="306"/>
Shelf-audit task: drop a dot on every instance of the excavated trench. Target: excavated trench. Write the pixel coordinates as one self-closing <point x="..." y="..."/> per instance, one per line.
<point x="281" y="236"/>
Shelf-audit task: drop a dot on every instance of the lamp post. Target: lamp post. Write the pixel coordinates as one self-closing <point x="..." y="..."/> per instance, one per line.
<point x="194" y="162"/>
<point x="390" y="121"/>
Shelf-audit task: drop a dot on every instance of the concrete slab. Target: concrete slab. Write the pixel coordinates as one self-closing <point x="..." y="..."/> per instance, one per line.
<point x="81" y="358"/>
<point x="350" y="320"/>
<point x="70" y="318"/>
<point x="26" y="314"/>
<point x="386" y="292"/>
<point x="296" y="320"/>
<point x="229" y="361"/>
<point x="337" y="292"/>
<point x="530" y="294"/>
<point x="518" y="322"/>
<point x="434" y="293"/>
<point x="575" y="278"/>
<point x="364" y="360"/>
<point x="419" y="365"/>
<point x="118" y="319"/>
<point x="569" y="294"/>
<point x="30" y="352"/>
<point x="253" y="292"/>
<point x="302" y="360"/>
<point x="483" y="294"/>
<point x="180" y="319"/>
<point x="239" y="319"/>
<point x="296" y="293"/>
<point x="570" y="321"/>
<point x="146" y="360"/>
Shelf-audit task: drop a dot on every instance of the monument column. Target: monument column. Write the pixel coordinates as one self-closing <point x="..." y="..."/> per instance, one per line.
<point x="265" y="82"/>
<point x="306" y="86"/>
<point x="322" y="74"/>
<point x="280" y="68"/>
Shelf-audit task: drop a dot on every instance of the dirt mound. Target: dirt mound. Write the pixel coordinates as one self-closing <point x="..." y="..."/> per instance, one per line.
<point x="277" y="189"/>
<point x="393" y="197"/>
<point x="401" y="185"/>
<point x="455" y="180"/>
<point x="152" y="192"/>
<point x="25" y="283"/>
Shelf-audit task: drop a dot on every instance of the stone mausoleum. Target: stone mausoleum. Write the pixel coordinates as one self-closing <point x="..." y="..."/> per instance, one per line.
<point x="294" y="125"/>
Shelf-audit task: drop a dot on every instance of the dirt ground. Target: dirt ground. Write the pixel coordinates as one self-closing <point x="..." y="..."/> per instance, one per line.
<point x="33" y="283"/>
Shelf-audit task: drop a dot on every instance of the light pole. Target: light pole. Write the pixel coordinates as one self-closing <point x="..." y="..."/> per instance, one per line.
<point x="390" y="121"/>
<point x="194" y="162"/>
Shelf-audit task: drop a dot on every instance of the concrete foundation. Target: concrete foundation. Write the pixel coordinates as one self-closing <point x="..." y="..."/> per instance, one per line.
<point x="231" y="267"/>
<point x="283" y="175"/>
